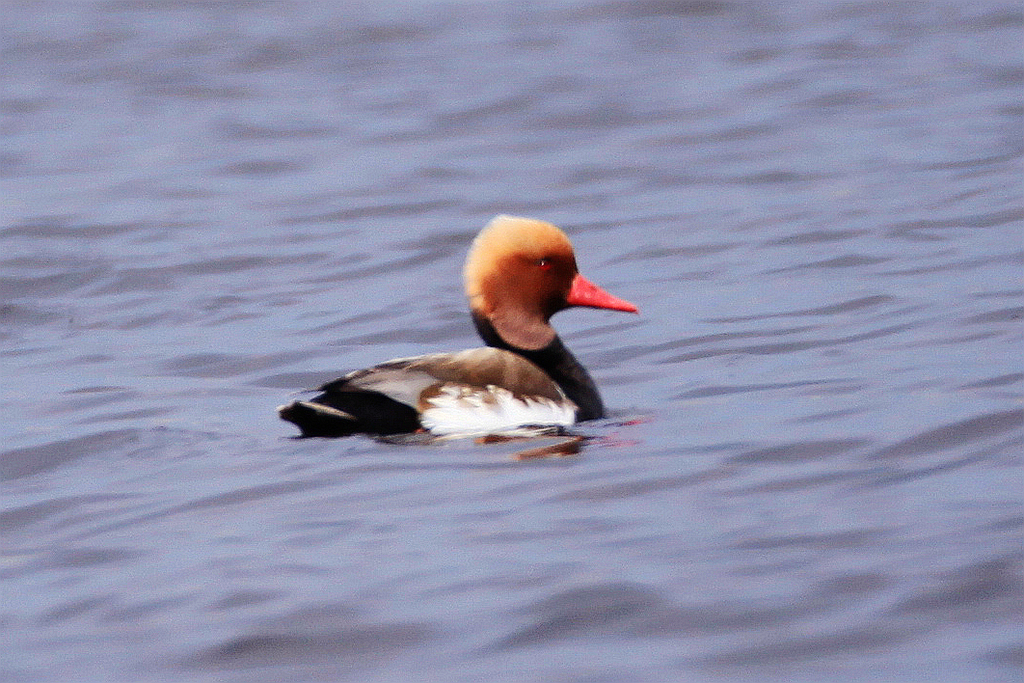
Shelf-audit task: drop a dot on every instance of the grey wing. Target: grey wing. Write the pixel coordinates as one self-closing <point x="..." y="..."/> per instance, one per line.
<point x="405" y="379"/>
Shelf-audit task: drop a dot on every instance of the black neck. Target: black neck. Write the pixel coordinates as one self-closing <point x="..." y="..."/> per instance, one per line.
<point x="560" y="365"/>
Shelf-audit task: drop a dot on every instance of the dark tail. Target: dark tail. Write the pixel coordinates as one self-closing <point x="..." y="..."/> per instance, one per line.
<point x="314" y="419"/>
<point x="346" y="413"/>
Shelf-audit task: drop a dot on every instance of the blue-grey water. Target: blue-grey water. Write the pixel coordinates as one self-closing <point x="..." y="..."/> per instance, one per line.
<point x="813" y="467"/>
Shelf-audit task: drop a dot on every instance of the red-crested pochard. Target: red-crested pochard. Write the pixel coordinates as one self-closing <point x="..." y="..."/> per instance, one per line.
<point x="518" y="273"/>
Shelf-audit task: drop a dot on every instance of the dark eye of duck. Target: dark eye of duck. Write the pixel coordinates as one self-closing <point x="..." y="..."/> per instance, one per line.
<point x="544" y="264"/>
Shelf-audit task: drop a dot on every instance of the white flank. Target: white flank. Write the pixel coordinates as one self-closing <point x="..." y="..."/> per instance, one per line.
<point x="472" y="411"/>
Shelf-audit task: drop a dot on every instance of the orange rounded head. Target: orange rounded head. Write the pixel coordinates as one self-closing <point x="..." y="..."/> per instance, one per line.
<point x="521" y="271"/>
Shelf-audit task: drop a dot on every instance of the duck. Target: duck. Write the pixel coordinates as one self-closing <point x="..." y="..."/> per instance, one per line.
<point x="518" y="273"/>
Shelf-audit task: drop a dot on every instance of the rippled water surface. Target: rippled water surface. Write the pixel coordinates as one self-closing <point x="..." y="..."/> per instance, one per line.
<point x="813" y="467"/>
